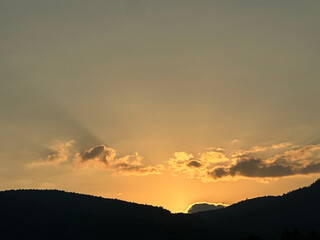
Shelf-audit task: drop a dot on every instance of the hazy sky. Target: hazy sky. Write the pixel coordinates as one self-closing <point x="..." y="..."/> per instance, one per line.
<point x="160" y="102"/>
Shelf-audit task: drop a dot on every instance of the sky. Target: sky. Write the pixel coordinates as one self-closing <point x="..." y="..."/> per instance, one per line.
<point x="160" y="102"/>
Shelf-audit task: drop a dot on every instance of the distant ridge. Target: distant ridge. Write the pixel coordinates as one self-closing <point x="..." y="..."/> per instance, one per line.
<point x="268" y="216"/>
<point x="55" y="214"/>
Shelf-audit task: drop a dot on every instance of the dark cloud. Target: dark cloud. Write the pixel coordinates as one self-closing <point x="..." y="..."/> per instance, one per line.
<point x="310" y="168"/>
<point x="255" y="167"/>
<point x="100" y="152"/>
<point x="194" y="163"/>
<point x="92" y="153"/>
<point x="218" y="172"/>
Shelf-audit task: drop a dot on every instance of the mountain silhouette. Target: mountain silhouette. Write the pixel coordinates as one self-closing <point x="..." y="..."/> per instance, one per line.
<point x="54" y="214"/>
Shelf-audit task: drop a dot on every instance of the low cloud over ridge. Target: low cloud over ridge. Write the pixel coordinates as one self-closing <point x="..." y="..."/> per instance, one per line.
<point x="204" y="206"/>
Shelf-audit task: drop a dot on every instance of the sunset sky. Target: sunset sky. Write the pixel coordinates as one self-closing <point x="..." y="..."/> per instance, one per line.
<point x="160" y="102"/>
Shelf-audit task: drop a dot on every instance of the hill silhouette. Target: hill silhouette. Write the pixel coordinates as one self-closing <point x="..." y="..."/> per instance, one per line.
<point x="269" y="216"/>
<point x="54" y="214"/>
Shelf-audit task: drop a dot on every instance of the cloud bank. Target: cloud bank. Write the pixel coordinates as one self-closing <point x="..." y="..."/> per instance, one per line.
<point x="104" y="157"/>
<point x="276" y="161"/>
<point x="281" y="161"/>
<point x="100" y="156"/>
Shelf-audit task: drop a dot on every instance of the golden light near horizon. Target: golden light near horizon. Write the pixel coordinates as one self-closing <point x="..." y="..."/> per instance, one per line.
<point x="160" y="102"/>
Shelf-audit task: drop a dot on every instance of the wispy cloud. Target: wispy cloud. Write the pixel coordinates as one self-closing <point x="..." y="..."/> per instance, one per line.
<point x="281" y="145"/>
<point x="58" y="153"/>
<point x="254" y="149"/>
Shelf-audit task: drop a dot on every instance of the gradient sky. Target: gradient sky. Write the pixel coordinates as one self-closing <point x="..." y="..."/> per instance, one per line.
<point x="160" y="102"/>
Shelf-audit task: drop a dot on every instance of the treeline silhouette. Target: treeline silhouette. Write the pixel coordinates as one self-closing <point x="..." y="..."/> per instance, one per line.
<point x="55" y="214"/>
<point x="294" y="234"/>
